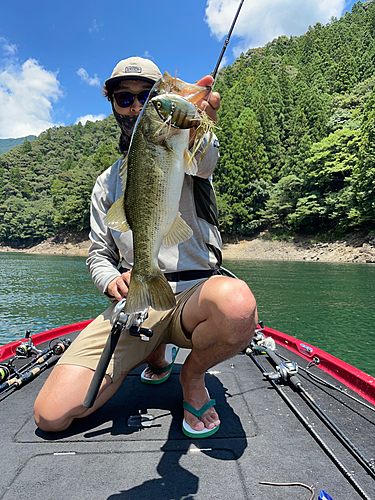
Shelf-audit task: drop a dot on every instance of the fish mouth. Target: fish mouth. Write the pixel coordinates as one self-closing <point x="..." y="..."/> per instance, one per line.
<point x="189" y="91"/>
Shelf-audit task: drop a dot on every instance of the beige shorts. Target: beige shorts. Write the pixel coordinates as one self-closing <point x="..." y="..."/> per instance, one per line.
<point x="130" y="351"/>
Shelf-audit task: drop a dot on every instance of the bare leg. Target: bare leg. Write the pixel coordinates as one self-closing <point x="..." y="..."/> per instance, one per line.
<point x="221" y="316"/>
<point x="61" y="398"/>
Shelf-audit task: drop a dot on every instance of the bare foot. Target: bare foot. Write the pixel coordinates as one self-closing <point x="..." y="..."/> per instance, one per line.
<point x="195" y="394"/>
<point x="155" y="376"/>
<point x="157" y="359"/>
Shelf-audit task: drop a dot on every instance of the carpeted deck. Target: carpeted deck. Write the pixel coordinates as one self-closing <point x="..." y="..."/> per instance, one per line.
<point x="111" y="455"/>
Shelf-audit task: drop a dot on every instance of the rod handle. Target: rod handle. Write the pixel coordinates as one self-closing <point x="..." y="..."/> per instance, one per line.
<point x="104" y="360"/>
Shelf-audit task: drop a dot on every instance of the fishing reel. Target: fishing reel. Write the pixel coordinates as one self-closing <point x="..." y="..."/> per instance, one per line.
<point x="5" y="371"/>
<point x="60" y="347"/>
<point x="26" y="349"/>
<point x="132" y="322"/>
<point x="284" y="371"/>
<point x="9" y="369"/>
<point x="259" y="343"/>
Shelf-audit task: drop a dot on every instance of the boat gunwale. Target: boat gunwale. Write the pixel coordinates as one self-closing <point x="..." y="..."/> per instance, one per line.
<point x="358" y="381"/>
<point x="353" y="378"/>
<point x="8" y="350"/>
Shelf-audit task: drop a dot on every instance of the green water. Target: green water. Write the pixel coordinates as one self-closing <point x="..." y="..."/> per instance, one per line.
<point x="331" y="306"/>
<point x="40" y="292"/>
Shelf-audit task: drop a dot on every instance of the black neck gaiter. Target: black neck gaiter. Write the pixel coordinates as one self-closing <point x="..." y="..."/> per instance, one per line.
<point x="126" y="124"/>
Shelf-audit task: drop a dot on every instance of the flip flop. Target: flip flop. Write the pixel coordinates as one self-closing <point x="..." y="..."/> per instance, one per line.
<point x="172" y="354"/>
<point x="192" y="433"/>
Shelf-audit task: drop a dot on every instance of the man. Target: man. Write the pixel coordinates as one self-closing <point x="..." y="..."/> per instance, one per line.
<point x="215" y="316"/>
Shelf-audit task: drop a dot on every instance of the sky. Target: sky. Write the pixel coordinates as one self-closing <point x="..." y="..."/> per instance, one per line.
<point x="55" y="55"/>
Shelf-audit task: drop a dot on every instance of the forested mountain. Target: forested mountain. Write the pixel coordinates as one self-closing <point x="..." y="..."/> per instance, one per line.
<point x="46" y="184"/>
<point x="8" y="144"/>
<point x="297" y="144"/>
<point x="297" y="136"/>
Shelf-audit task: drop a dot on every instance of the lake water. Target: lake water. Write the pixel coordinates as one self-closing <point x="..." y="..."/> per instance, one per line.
<point x="331" y="306"/>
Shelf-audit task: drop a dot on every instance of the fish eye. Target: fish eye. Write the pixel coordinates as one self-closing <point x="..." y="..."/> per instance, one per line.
<point x="158" y="104"/>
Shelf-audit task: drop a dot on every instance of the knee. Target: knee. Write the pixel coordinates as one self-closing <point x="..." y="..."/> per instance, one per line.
<point x="236" y="307"/>
<point x="48" y="419"/>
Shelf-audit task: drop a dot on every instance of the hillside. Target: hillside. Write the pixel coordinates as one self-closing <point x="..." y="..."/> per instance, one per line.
<point x="46" y="184"/>
<point x="8" y="144"/>
<point x="297" y="132"/>
<point x="297" y="145"/>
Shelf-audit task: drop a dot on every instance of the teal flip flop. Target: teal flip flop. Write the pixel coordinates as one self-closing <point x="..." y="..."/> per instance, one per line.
<point x="189" y="431"/>
<point x="172" y="354"/>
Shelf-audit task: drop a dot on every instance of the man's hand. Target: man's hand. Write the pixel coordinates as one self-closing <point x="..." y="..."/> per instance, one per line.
<point x="118" y="288"/>
<point x="211" y="107"/>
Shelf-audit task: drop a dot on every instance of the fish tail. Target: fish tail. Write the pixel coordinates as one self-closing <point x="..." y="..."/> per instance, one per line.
<point x="156" y="293"/>
<point x="161" y="294"/>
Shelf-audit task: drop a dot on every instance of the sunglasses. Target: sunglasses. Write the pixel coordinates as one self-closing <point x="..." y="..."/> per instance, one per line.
<point x="126" y="99"/>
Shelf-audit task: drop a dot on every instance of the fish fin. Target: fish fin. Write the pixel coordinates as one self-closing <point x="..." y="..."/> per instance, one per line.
<point x="116" y="218"/>
<point x="194" y="95"/>
<point x="123" y="173"/>
<point x="156" y="293"/>
<point x="190" y="166"/>
<point x="179" y="232"/>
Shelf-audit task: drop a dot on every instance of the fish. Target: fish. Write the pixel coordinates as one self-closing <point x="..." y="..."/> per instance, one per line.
<point x="190" y="91"/>
<point x="152" y="175"/>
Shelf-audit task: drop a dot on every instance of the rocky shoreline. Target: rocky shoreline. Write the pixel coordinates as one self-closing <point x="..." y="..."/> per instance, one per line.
<point x="355" y="248"/>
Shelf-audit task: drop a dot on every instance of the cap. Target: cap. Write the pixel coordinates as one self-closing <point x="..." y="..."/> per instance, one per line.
<point x="134" y="68"/>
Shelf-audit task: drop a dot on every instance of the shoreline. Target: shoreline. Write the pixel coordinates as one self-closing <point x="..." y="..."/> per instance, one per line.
<point x="354" y="249"/>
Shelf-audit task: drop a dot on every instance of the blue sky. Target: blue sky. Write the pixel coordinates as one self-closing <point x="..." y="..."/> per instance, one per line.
<point x="56" y="54"/>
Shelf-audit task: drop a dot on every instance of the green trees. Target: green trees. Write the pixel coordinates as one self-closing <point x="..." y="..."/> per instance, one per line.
<point x="46" y="184"/>
<point x="364" y="172"/>
<point x="303" y="125"/>
<point x="297" y="143"/>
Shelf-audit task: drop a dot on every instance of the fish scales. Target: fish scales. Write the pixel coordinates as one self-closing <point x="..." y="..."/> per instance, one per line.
<point x="154" y="183"/>
<point x="152" y="179"/>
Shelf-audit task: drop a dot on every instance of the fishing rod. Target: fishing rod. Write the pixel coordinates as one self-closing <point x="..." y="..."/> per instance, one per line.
<point x="321" y="381"/>
<point x="347" y="474"/>
<point x="56" y="349"/>
<point x="23" y="351"/>
<point x="9" y="369"/>
<point x="287" y="370"/>
<point x="35" y="367"/>
<point x="227" y="41"/>
<point x="120" y="321"/>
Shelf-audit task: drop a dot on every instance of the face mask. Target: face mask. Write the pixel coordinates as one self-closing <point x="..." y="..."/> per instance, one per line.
<point x="126" y="124"/>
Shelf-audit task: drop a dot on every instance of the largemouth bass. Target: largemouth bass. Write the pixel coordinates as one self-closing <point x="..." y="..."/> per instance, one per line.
<point x="152" y="177"/>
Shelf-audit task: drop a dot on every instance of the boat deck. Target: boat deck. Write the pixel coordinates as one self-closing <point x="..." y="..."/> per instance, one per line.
<point x="111" y="455"/>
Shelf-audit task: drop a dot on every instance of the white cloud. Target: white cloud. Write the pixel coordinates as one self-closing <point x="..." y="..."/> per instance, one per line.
<point x="9" y="48"/>
<point x="27" y="92"/>
<point x="93" y="82"/>
<point x="91" y="118"/>
<point x="147" y="55"/>
<point x="261" y="22"/>
<point x="94" y="28"/>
